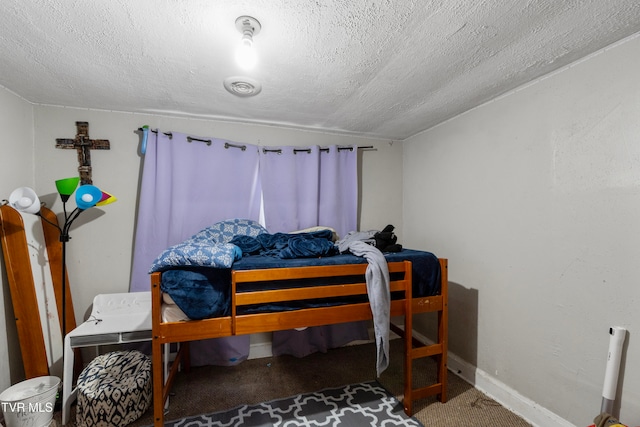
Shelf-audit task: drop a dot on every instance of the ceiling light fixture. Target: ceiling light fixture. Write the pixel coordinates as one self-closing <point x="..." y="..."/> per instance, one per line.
<point x="242" y="86"/>
<point x="246" y="55"/>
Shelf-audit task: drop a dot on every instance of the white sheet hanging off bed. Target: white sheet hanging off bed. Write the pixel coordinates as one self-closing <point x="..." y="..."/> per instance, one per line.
<point x="377" y="279"/>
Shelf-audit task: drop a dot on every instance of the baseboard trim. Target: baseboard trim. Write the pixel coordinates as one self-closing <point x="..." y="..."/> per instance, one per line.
<point x="524" y="407"/>
<point x="260" y="350"/>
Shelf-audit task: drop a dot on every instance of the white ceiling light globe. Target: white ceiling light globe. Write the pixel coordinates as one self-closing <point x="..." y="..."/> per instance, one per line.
<point x="246" y="56"/>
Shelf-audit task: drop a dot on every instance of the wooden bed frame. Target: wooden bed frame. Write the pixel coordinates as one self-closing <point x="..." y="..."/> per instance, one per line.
<point x="239" y="324"/>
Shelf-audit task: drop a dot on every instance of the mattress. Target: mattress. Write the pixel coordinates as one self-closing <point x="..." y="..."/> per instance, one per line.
<point x="170" y="310"/>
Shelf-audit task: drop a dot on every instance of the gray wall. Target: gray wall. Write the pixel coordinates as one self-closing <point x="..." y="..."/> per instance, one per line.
<point x="535" y="200"/>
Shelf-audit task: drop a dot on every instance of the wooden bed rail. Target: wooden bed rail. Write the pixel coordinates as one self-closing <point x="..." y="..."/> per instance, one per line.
<point x="240" y="323"/>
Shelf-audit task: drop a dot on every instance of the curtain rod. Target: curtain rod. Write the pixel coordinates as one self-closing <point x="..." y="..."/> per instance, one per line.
<point x="266" y="150"/>
<point x="244" y="147"/>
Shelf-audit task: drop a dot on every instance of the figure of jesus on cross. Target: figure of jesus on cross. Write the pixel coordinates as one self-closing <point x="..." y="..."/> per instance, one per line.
<point x="83" y="144"/>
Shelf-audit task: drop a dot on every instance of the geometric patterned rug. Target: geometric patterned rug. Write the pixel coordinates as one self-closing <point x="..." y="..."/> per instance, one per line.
<point x="366" y="404"/>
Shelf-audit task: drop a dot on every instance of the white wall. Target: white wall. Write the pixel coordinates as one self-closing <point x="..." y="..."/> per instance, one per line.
<point x="16" y="170"/>
<point x="535" y="200"/>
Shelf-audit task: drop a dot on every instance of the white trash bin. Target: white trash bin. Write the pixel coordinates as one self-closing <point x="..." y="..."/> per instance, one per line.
<point x="30" y="403"/>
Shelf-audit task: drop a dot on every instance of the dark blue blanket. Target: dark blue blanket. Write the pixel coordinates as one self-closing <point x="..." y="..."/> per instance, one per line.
<point x="288" y="246"/>
<point x="205" y="292"/>
<point x="200" y="292"/>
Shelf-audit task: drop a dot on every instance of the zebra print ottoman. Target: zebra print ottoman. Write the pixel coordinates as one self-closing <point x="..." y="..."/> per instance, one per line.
<point x="114" y="390"/>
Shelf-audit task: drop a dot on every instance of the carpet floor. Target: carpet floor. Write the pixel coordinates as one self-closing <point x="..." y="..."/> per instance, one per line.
<point x="210" y="389"/>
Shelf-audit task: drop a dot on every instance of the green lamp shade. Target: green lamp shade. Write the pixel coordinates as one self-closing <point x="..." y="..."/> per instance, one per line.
<point x="67" y="186"/>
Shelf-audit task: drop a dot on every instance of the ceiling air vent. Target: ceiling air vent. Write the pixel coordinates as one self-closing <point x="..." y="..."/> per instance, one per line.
<point x="242" y="86"/>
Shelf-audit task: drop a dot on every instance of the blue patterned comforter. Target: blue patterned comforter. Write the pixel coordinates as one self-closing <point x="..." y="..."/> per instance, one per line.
<point x="210" y="247"/>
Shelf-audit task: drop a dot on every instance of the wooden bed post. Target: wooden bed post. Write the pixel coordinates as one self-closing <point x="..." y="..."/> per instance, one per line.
<point x="408" y="345"/>
<point x="443" y="328"/>
<point x="156" y="351"/>
<point x="159" y="339"/>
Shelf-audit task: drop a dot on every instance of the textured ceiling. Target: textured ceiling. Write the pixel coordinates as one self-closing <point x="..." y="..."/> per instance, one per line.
<point x="378" y="68"/>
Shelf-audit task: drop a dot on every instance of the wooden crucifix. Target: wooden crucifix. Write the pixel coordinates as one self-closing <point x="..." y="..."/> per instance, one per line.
<point x="83" y="145"/>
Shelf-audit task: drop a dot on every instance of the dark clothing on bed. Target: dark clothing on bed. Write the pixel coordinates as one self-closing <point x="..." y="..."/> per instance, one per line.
<point x="288" y="246"/>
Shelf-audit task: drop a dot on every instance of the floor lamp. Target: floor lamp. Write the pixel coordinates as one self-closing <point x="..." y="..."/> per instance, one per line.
<point x="24" y="199"/>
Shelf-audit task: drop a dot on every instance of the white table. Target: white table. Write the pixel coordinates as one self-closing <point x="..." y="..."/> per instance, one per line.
<point x="115" y="319"/>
